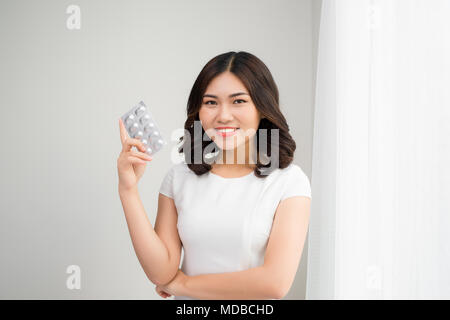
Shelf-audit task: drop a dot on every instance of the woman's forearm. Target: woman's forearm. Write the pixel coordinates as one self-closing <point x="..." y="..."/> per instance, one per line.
<point x="150" y="249"/>
<point x="251" y="284"/>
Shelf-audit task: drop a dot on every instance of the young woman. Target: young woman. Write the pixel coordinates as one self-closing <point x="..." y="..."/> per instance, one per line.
<point x="242" y="223"/>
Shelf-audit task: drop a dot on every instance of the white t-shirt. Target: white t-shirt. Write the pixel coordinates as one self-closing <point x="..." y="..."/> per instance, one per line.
<point x="224" y="223"/>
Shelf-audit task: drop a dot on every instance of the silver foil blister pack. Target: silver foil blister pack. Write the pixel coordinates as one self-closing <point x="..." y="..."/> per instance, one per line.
<point x="140" y="124"/>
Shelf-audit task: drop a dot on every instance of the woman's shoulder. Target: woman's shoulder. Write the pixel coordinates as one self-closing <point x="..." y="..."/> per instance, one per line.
<point x="294" y="182"/>
<point x="293" y="171"/>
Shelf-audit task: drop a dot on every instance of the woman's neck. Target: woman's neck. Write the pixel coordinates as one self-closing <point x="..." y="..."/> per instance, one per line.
<point x="235" y="161"/>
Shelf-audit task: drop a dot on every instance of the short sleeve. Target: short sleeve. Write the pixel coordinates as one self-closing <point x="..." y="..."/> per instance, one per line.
<point x="296" y="183"/>
<point x="167" y="183"/>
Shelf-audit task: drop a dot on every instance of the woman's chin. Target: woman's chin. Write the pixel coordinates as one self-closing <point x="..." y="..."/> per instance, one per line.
<point x="227" y="147"/>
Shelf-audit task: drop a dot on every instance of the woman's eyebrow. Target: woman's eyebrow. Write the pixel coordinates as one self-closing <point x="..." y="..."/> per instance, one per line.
<point x="231" y="95"/>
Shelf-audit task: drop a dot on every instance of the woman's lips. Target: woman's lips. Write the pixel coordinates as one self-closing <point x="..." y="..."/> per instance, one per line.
<point x="227" y="134"/>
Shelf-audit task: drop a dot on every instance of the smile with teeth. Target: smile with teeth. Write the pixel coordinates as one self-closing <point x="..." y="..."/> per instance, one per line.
<point x="227" y="132"/>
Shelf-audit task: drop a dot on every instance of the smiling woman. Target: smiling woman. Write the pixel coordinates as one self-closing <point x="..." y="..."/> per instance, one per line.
<point x="242" y="231"/>
<point x="236" y="90"/>
<point x="229" y="121"/>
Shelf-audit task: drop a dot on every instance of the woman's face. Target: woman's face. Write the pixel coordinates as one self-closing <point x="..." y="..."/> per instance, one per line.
<point x="227" y="103"/>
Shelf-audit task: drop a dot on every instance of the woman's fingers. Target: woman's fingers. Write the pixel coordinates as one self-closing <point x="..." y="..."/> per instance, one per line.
<point x="140" y="155"/>
<point x="162" y="293"/>
<point x="135" y="160"/>
<point x="158" y="291"/>
<point x="123" y="131"/>
<point x="128" y="143"/>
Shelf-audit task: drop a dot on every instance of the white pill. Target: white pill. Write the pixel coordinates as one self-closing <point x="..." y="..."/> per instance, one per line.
<point x="149" y="150"/>
<point x="149" y="128"/>
<point x="130" y="119"/>
<point x="139" y="135"/>
<point x="145" y="118"/>
<point x="140" y="110"/>
<point x="134" y="127"/>
<point x="145" y="141"/>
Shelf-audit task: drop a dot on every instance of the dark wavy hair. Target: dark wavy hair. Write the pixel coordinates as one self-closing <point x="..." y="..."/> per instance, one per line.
<point x="264" y="92"/>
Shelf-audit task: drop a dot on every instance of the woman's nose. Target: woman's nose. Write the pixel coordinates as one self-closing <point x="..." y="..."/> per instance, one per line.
<point x="225" y="113"/>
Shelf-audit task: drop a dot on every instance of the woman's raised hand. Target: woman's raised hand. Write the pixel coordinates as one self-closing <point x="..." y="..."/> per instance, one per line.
<point x="130" y="164"/>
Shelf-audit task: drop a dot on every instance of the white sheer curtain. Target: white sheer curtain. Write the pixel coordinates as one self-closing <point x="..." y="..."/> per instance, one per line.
<point x="380" y="219"/>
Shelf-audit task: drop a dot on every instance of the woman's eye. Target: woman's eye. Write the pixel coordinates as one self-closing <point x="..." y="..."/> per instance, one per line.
<point x="213" y="102"/>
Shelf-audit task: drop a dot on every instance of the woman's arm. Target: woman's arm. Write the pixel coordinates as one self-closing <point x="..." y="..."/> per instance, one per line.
<point x="252" y="284"/>
<point x="150" y="249"/>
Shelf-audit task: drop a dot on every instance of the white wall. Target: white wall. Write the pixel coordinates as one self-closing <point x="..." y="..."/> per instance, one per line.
<point x="62" y="92"/>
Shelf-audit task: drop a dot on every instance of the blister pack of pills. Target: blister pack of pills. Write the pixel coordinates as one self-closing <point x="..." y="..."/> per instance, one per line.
<point x="140" y="124"/>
